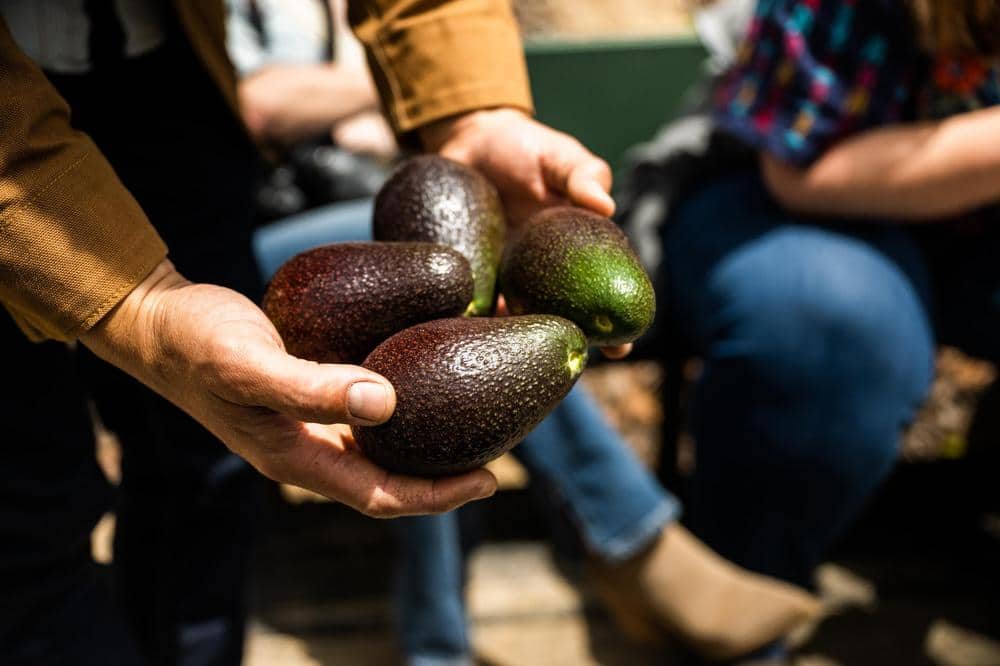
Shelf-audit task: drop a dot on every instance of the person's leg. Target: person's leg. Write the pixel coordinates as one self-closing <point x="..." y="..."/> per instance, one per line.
<point x="430" y="597"/>
<point x="615" y="503"/>
<point x="55" y="608"/>
<point x="658" y="580"/>
<point x="817" y="353"/>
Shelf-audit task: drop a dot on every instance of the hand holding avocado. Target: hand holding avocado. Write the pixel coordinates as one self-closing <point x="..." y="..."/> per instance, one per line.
<point x="469" y="388"/>
<point x="215" y="355"/>
<point x="532" y="166"/>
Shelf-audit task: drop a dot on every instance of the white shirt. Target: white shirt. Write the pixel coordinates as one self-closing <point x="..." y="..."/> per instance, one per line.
<point x="54" y="33"/>
<point x="296" y="33"/>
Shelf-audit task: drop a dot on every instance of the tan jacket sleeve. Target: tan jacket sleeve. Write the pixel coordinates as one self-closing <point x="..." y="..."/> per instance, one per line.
<point x="435" y="58"/>
<point x="73" y="241"/>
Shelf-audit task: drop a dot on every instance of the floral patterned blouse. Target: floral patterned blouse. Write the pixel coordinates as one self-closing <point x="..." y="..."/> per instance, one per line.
<point x="811" y="72"/>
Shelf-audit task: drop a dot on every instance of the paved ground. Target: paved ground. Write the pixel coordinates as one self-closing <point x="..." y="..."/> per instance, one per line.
<point x="917" y="583"/>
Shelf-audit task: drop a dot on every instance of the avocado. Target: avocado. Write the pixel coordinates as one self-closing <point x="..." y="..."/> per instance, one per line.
<point x="336" y="303"/>
<point x="578" y="265"/>
<point x="469" y="389"/>
<point x="437" y="200"/>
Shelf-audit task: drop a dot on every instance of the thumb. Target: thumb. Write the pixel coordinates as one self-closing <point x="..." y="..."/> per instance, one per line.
<point x="313" y="392"/>
<point x="580" y="176"/>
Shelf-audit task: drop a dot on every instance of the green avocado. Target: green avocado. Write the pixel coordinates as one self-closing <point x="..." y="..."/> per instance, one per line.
<point x="578" y="265"/>
<point x="469" y="389"/>
<point x="437" y="200"/>
<point x="336" y="303"/>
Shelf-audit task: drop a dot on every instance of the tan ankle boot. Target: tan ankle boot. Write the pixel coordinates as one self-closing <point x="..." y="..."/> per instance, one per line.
<point x="679" y="588"/>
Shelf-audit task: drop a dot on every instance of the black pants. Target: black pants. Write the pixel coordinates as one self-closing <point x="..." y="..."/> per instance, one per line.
<point x="185" y="506"/>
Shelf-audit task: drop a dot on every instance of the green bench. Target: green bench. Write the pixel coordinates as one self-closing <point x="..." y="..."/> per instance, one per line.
<point x="611" y="94"/>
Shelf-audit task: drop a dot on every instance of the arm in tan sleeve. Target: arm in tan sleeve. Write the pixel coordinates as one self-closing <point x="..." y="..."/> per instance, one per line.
<point x="73" y="241"/>
<point x="436" y="58"/>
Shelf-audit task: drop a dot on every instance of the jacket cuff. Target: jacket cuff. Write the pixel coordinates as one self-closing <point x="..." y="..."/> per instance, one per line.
<point x="74" y="249"/>
<point x="448" y="61"/>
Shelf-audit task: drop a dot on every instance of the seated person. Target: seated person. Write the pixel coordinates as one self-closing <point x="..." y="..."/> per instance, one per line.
<point x="816" y="279"/>
<point x="307" y="98"/>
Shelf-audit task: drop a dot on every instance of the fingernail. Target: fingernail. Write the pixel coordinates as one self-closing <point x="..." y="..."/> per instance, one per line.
<point x="597" y="193"/>
<point x="607" y="198"/>
<point x="367" y="401"/>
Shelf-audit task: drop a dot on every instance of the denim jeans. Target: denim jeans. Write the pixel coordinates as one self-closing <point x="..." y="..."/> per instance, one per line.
<point x="818" y="339"/>
<point x="614" y="502"/>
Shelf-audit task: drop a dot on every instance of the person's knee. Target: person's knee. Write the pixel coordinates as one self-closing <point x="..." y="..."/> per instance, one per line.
<point x="814" y="314"/>
<point x="823" y="347"/>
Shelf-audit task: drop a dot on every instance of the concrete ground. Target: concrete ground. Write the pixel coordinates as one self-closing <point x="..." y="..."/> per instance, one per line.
<point x="916" y="583"/>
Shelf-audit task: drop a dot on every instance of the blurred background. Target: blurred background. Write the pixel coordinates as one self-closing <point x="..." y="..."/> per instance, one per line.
<point x="916" y="581"/>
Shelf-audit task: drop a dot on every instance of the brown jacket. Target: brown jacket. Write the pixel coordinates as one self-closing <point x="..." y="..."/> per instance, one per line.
<point x="73" y="241"/>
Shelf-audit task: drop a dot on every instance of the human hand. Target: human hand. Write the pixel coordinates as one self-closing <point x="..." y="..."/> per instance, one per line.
<point x="215" y="355"/>
<point x="533" y="166"/>
<point x="367" y="132"/>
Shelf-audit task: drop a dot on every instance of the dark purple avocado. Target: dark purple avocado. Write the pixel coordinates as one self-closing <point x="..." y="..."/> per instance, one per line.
<point x="336" y="303"/>
<point x="434" y="199"/>
<point x="469" y="389"/>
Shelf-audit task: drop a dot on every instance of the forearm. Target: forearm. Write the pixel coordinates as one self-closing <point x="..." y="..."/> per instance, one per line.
<point x="288" y="103"/>
<point x="915" y="172"/>
<point x="73" y="241"/>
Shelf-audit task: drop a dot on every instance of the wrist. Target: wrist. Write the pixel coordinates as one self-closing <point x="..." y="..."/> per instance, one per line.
<point x="434" y="136"/>
<point x="126" y="335"/>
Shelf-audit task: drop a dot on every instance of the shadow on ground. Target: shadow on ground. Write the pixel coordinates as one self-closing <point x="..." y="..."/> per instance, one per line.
<point x="919" y="584"/>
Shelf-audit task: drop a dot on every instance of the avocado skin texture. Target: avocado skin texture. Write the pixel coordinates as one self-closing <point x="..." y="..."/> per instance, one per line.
<point x="468" y="389"/>
<point x="336" y="303"/>
<point x="576" y="264"/>
<point x="434" y="199"/>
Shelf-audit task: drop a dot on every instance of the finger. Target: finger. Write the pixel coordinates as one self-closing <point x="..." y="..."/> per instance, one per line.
<point x="344" y="474"/>
<point x="618" y="352"/>
<point x="501" y="308"/>
<point x="588" y="187"/>
<point x="408" y="496"/>
<point x="308" y="391"/>
<point x="574" y="172"/>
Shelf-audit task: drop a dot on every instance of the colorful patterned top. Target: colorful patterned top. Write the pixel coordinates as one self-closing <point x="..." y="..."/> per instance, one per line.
<point x="811" y="72"/>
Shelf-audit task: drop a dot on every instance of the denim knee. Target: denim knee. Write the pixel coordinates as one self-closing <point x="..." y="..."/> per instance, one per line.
<point x="828" y="330"/>
<point x="817" y="351"/>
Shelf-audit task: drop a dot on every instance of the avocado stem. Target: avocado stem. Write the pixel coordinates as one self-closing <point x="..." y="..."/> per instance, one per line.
<point x="576" y="363"/>
<point x="603" y="323"/>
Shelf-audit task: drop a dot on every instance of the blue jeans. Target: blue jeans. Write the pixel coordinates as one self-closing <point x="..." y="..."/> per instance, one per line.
<point x="818" y="339"/>
<point x="616" y="505"/>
